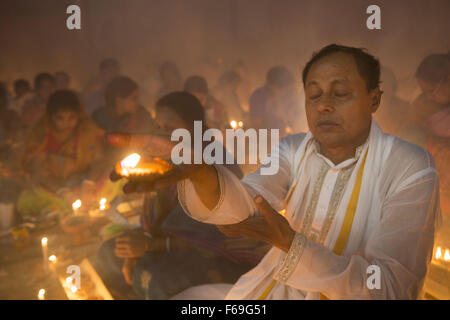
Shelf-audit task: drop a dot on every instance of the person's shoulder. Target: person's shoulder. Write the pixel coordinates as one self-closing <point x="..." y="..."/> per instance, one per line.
<point x="293" y="139"/>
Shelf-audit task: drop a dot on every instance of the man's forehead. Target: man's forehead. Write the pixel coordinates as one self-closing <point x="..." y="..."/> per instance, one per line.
<point x="333" y="67"/>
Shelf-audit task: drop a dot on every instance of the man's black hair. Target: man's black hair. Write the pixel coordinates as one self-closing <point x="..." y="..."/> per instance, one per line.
<point x="184" y="104"/>
<point x="119" y="87"/>
<point x="41" y="77"/>
<point x="368" y="66"/>
<point x="21" y="84"/>
<point x="63" y="100"/>
<point x="279" y="77"/>
<point x="196" y="84"/>
<point x="108" y="63"/>
<point x="434" y="68"/>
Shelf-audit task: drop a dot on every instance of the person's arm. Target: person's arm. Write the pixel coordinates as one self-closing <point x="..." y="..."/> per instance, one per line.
<point x="217" y="196"/>
<point x="400" y="247"/>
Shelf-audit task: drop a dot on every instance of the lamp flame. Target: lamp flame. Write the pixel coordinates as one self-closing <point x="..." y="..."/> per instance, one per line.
<point x="41" y="294"/>
<point x="102" y="204"/>
<point x="76" y="205"/>
<point x="233" y="124"/>
<point x="447" y="255"/>
<point x="438" y="253"/>
<point x="52" y="258"/>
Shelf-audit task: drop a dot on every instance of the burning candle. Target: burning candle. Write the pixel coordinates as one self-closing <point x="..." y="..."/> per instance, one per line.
<point x="102" y="204"/>
<point x="44" y="244"/>
<point x="447" y="255"/>
<point x="41" y="294"/>
<point x="52" y="258"/>
<point x="233" y="124"/>
<point x="438" y="253"/>
<point x="240" y="124"/>
<point x="76" y="205"/>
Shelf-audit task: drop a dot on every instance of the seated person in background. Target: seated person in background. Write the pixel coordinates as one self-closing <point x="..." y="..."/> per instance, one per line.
<point x="170" y="79"/>
<point x="22" y="93"/>
<point x="276" y="105"/>
<point x="215" y="111"/>
<point x="34" y="108"/>
<point x="60" y="155"/>
<point x="122" y="112"/>
<point x="62" y="80"/>
<point x="10" y="137"/>
<point x="433" y="78"/>
<point x="392" y="111"/>
<point x="227" y="91"/>
<point x="94" y="94"/>
<point x="180" y="251"/>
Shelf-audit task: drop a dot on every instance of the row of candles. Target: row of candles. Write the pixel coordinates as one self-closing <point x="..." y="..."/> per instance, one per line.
<point x="442" y="254"/>
<point x="46" y="259"/>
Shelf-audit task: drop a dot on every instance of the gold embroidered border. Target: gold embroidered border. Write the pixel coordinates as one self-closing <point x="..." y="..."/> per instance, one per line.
<point x="292" y="258"/>
<point x="336" y="196"/>
<point x="309" y="215"/>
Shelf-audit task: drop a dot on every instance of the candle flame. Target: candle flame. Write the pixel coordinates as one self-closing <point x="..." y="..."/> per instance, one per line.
<point x="131" y="161"/>
<point x="102" y="204"/>
<point x="76" y="205"/>
<point x="74" y="289"/>
<point x="233" y="124"/>
<point x="438" y="253"/>
<point x="240" y="124"/>
<point x="69" y="280"/>
<point x="447" y="255"/>
<point x="44" y="241"/>
<point x="52" y="258"/>
<point x="41" y="294"/>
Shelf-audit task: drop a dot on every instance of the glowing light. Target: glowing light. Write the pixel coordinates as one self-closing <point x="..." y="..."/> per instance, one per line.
<point x="52" y="258"/>
<point x="240" y="124"/>
<point x="233" y="124"/>
<point x="69" y="280"/>
<point x="76" y="205"/>
<point x="131" y="161"/>
<point x="44" y="241"/>
<point x="74" y="289"/>
<point x="41" y="294"/>
<point x="447" y="255"/>
<point x="438" y="253"/>
<point x="102" y="204"/>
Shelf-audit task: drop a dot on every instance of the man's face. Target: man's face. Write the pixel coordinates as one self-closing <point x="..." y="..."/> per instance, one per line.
<point x="46" y="89"/>
<point x="128" y="104"/>
<point x="338" y="106"/>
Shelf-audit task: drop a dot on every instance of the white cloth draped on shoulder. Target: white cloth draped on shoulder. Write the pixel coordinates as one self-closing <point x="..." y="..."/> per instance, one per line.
<point x="395" y="203"/>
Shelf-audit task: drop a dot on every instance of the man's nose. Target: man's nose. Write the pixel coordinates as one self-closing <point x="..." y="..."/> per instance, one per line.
<point x="325" y="104"/>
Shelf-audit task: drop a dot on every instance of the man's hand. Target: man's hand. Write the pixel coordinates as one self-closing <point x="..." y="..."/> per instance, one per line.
<point x="204" y="177"/>
<point x="127" y="270"/>
<point x="271" y="227"/>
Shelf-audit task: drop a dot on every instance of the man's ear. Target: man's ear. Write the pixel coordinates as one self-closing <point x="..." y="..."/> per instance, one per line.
<point x="375" y="99"/>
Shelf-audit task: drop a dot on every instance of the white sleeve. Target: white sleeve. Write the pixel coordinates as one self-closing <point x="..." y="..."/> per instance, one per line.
<point x="400" y="246"/>
<point x="236" y="196"/>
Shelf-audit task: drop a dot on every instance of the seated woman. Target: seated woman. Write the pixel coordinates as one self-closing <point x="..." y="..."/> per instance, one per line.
<point x="60" y="155"/>
<point x="172" y="252"/>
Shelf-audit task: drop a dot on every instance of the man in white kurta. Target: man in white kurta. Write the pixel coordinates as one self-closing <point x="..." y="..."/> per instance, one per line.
<point x="378" y="208"/>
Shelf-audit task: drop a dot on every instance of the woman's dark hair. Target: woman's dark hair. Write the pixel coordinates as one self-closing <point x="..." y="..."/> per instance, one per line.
<point x="184" y="104"/>
<point x="63" y="100"/>
<point x="119" y="87"/>
<point x="434" y="68"/>
<point x="41" y="77"/>
<point x="21" y="84"/>
<point x="368" y="66"/>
